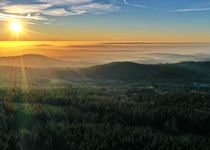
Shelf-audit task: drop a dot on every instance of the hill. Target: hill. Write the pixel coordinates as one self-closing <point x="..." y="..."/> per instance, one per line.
<point x="185" y="72"/>
<point x="133" y="71"/>
<point x="31" y="60"/>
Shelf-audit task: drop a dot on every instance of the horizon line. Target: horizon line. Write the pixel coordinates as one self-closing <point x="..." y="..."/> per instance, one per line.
<point x="108" y="42"/>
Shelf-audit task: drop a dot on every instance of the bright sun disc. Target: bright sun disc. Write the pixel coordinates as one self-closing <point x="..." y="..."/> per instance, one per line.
<point x="16" y="27"/>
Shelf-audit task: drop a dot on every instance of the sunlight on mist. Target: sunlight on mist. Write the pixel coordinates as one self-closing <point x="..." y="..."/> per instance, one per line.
<point x="92" y="53"/>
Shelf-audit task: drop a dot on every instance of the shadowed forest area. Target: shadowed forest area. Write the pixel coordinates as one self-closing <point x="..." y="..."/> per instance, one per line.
<point x="103" y="118"/>
<point x="120" y="105"/>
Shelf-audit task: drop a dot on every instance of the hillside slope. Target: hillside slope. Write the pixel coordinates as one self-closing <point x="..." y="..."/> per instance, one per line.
<point x="186" y="72"/>
<point x="31" y="60"/>
<point x="132" y="71"/>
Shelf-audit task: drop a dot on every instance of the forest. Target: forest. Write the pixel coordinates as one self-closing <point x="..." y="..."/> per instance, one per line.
<point x="103" y="118"/>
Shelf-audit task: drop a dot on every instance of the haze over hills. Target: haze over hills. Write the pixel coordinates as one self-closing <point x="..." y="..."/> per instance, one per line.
<point x="192" y="71"/>
<point x="31" y="60"/>
<point x="184" y="73"/>
<point x="40" y="69"/>
<point x="45" y="61"/>
<point x="38" y="61"/>
<point x="89" y="54"/>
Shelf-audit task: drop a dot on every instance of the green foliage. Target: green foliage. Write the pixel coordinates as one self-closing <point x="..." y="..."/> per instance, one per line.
<point x="127" y="71"/>
<point x="87" y="118"/>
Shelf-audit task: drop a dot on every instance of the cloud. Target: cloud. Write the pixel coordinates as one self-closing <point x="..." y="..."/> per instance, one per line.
<point x="41" y="9"/>
<point x="33" y="9"/>
<point x="93" y="7"/>
<point x="27" y="18"/>
<point x="131" y="4"/>
<point x="57" y="12"/>
<point x="197" y="7"/>
<point x="65" y="2"/>
<point x="25" y="9"/>
<point x="192" y="10"/>
<point x="4" y="2"/>
<point x="202" y="6"/>
<point x="21" y="11"/>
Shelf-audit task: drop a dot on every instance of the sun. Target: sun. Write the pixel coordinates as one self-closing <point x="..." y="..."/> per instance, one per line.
<point x="16" y="27"/>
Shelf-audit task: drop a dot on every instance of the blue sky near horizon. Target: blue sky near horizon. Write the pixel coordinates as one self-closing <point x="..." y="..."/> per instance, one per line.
<point x="110" y="20"/>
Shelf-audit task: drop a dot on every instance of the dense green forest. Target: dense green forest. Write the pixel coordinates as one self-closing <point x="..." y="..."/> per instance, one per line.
<point x="116" y="106"/>
<point x="104" y="118"/>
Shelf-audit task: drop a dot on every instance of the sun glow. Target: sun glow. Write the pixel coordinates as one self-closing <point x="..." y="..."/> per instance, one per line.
<point x="16" y="27"/>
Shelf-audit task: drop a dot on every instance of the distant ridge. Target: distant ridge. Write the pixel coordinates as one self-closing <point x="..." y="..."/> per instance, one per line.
<point x="129" y="72"/>
<point x="155" y="43"/>
<point x="133" y="71"/>
<point x="31" y="60"/>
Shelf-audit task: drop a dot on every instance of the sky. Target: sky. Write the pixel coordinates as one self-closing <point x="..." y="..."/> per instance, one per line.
<point x="107" y="20"/>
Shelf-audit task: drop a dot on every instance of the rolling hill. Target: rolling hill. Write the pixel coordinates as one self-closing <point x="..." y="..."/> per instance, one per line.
<point x="41" y="61"/>
<point x="31" y="60"/>
<point x="129" y="71"/>
<point x="38" y="69"/>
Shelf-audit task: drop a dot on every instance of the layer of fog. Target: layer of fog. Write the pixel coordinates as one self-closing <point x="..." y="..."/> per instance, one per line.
<point x="87" y="54"/>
